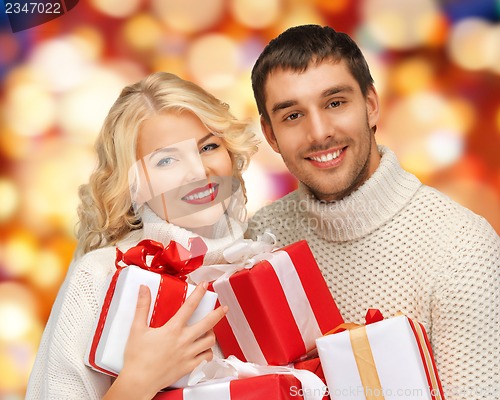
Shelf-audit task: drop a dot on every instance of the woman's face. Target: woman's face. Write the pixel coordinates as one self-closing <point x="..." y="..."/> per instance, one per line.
<point x="184" y="171"/>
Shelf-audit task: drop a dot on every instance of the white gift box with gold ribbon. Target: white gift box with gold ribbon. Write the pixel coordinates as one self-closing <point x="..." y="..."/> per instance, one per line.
<point x="387" y="359"/>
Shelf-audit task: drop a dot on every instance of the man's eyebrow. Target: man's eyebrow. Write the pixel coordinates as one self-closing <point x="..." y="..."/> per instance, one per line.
<point x="337" y="89"/>
<point x="327" y="92"/>
<point x="282" y="105"/>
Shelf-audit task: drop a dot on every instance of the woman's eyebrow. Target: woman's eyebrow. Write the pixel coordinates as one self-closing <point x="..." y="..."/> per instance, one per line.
<point x="163" y="150"/>
<point x="205" y="138"/>
<point x="175" y="149"/>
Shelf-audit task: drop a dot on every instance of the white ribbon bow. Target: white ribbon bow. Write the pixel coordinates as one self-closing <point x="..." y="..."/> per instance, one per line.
<point x="243" y="254"/>
<point x="232" y="368"/>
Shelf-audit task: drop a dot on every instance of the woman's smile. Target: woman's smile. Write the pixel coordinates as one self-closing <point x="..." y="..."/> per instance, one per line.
<point x="202" y="195"/>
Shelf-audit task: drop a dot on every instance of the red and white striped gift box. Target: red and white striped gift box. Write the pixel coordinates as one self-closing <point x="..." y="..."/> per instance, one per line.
<point x="277" y="308"/>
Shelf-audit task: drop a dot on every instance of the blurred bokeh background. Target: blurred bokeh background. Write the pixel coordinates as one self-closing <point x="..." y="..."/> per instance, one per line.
<point x="436" y="66"/>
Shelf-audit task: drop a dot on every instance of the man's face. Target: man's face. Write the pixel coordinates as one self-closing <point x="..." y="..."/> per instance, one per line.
<point x="320" y="123"/>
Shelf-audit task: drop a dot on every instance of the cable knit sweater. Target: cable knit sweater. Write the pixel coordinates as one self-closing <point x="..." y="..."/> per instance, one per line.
<point x="397" y="245"/>
<point x="59" y="371"/>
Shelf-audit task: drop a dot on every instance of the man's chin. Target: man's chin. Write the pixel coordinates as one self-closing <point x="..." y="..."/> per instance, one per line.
<point x="328" y="193"/>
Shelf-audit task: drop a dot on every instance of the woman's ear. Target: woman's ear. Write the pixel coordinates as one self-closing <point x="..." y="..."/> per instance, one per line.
<point x="372" y="107"/>
<point x="267" y="129"/>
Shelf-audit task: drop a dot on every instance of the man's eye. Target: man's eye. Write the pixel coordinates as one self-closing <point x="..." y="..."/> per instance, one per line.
<point x="334" y="104"/>
<point x="292" y="116"/>
<point x="208" y="147"/>
<point x="165" y="162"/>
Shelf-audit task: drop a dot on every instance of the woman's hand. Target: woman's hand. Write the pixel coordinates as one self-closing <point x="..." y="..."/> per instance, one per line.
<point x="157" y="357"/>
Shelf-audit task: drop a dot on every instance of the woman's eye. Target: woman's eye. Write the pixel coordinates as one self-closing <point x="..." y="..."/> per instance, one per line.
<point x="165" y="162"/>
<point x="208" y="147"/>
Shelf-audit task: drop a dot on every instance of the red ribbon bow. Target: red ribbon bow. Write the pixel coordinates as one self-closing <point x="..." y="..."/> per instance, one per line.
<point x="173" y="259"/>
<point x="373" y="315"/>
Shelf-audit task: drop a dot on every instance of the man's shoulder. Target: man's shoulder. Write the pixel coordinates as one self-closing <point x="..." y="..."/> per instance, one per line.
<point x="459" y="218"/>
<point x="432" y="199"/>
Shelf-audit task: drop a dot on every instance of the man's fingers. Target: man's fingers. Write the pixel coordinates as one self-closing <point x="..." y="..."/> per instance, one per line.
<point x="191" y="303"/>
<point x="142" y="308"/>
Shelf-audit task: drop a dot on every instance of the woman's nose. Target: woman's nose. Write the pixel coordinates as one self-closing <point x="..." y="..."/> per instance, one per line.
<point x="196" y="170"/>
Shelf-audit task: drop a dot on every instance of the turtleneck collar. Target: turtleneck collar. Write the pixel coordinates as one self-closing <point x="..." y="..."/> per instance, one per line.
<point x="157" y="229"/>
<point x="374" y="203"/>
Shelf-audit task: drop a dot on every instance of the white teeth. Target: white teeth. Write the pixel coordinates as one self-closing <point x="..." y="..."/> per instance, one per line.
<point x="327" y="157"/>
<point x="199" y="195"/>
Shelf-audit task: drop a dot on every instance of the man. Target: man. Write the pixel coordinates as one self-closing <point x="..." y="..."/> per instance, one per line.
<point x="382" y="239"/>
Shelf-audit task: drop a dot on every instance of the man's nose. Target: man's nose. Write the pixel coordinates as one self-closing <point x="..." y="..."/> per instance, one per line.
<point x="319" y="127"/>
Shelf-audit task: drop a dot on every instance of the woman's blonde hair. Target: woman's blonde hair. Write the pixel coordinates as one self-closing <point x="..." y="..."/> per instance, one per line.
<point x="106" y="213"/>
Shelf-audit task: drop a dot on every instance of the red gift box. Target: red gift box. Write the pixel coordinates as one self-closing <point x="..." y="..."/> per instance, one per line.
<point x="276" y="387"/>
<point x="277" y="309"/>
<point x="313" y="365"/>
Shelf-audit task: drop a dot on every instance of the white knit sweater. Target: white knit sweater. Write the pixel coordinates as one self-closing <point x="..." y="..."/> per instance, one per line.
<point x="59" y="371"/>
<point x="397" y="245"/>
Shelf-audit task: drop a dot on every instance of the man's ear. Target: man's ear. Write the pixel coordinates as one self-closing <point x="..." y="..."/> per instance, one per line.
<point x="267" y="129"/>
<point x="372" y="107"/>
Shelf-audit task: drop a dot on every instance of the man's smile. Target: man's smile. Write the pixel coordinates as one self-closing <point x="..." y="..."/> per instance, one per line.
<point x="328" y="158"/>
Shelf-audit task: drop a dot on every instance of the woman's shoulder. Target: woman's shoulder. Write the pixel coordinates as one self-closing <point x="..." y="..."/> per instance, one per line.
<point x="101" y="262"/>
<point x="97" y="262"/>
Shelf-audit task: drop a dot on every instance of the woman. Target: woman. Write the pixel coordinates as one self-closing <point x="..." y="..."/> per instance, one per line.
<point x="170" y="159"/>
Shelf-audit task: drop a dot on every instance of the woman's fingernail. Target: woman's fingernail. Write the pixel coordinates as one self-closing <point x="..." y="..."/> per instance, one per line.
<point x="205" y="285"/>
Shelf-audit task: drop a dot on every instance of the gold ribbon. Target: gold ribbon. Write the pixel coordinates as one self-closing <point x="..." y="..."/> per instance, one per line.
<point x="365" y="363"/>
<point x="364" y="359"/>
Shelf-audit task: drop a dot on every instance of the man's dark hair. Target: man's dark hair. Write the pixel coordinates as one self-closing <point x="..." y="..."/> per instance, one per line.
<point x="297" y="47"/>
